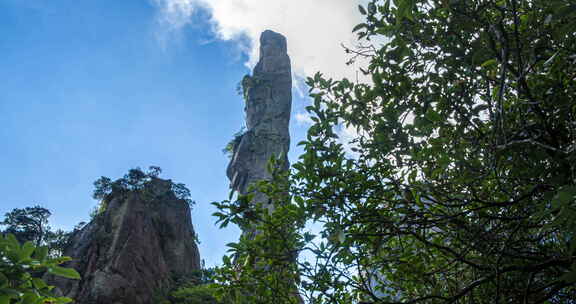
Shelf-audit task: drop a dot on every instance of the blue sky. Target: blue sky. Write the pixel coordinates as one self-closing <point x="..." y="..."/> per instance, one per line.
<point x="94" y="88"/>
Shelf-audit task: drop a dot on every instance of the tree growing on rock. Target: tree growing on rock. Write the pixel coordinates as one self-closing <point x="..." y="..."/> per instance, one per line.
<point x="135" y="180"/>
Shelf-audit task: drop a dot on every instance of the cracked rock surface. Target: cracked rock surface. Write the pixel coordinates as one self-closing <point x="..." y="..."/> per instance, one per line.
<point x="136" y="248"/>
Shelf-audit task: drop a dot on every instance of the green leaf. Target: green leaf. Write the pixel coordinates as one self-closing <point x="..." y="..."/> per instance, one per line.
<point x="29" y="298"/>
<point x="371" y="8"/>
<point x="433" y="116"/>
<point x="358" y="27"/>
<point x="26" y="251"/>
<point x="3" y="280"/>
<point x="362" y="10"/>
<point x="39" y="283"/>
<point x="489" y="63"/>
<point x="308" y="237"/>
<point x="63" y="300"/>
<point x="41" y="253"/>
<point x="12" y="241"/>
<point x="4" y="299"/>
<point x="69" y="273"/>
<point x="479" y="108"/>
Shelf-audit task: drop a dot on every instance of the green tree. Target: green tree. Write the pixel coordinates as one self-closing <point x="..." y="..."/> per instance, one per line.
<point x="135" y="180"/>
<point x="461" y="185"/>
<point x="57" y="241"/>
<point x="31" y="224"/>
<point x="261" y="267"/>
<point x="28" y="224"/>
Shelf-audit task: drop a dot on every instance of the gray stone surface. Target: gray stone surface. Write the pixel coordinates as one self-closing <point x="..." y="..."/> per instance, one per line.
<point x="138" y="247"/>
<point x="268" y="93"/>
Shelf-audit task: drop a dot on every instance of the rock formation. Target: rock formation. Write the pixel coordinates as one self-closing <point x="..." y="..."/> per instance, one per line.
<point x="268" y="94"/>
<point x="139" y="246"/>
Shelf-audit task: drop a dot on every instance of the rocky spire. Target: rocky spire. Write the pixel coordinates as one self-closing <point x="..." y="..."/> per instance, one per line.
<point x="268" y="95"/>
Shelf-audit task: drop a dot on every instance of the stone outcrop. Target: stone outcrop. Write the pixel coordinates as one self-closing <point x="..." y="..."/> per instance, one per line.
<point x="139" y="246"/>
<point x="268" y="94"/>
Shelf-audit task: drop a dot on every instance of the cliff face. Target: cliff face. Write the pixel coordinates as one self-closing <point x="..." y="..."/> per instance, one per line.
<point x="137" y="247"/>
<point x="268" y="94"/>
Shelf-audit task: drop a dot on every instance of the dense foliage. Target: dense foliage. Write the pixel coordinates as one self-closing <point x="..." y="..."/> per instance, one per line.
<point x="199" y="288"/>
<point x="21" y="269"/>
<point x="135" y="180"/>
<point x="461" y="184"/>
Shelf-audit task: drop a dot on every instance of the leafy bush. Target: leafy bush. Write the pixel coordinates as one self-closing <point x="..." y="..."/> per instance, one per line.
<point x="135" y="180"/>
<point x="20" y="269"/>
<point x="233" y="143"/>
<point x="199" y="294"/>
<point x="195" y="288"/>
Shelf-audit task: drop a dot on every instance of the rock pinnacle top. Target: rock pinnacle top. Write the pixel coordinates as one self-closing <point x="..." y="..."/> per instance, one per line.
<point x="273" y="55"/>
<point x="268" y="94"/>
<point x="272" y="44"/>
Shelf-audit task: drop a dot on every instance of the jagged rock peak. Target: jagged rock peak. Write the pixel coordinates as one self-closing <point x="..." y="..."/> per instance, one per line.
<point x="272" y="44"/>
<point x="273" y="54"/>
<point x="139" y="245"/>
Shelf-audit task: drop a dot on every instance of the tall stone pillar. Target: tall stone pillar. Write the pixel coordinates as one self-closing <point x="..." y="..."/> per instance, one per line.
<point x="268" y="94"/>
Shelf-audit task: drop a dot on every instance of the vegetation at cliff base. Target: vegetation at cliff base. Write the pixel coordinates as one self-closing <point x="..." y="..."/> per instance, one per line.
<point x="199" y="288"/>
<point x="21" y="270"/>
<point x="462" y="183"/>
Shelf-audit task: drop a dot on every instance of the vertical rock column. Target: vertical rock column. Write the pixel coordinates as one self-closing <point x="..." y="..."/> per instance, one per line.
<point x="268" y="94"/>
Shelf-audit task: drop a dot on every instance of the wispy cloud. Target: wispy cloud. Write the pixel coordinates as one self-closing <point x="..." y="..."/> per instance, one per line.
<point x="315" y="29"/>
<point x="176" y="14"/>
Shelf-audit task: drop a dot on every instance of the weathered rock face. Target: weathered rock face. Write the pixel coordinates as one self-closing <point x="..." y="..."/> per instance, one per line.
<point x="268" y="94"/>
<point x="137" y="247"/>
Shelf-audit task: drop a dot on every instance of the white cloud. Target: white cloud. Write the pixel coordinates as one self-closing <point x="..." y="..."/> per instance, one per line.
<point x="315" y="29"/>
